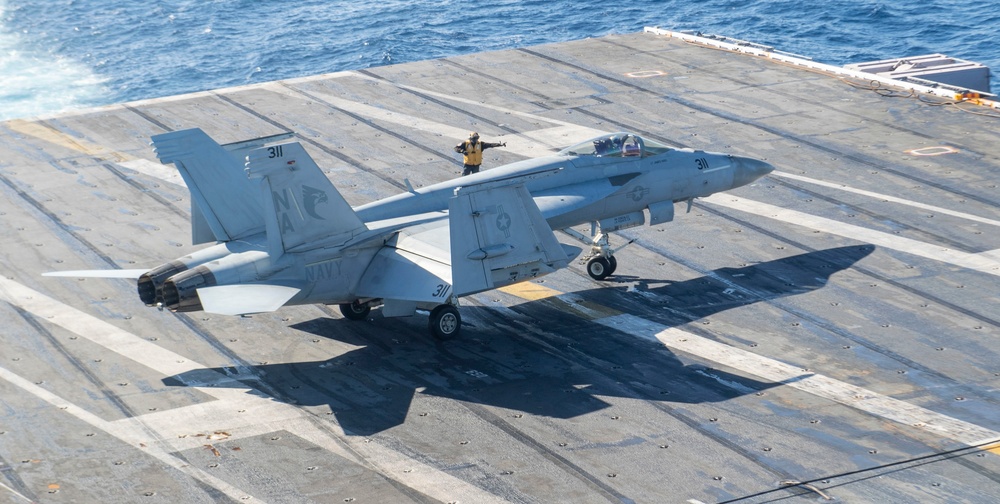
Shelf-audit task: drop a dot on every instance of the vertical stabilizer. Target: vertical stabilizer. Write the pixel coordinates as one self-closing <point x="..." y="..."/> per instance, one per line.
<point x="300" y="203"/>
<point x="221" y="195"/>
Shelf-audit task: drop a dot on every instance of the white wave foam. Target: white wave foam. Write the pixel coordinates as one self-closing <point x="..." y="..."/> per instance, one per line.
<point x="33" y="82"/>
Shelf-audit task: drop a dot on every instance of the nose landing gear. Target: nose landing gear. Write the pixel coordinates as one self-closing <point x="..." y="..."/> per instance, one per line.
<point x="600" y="267"/>
<point x="601" y="262"/>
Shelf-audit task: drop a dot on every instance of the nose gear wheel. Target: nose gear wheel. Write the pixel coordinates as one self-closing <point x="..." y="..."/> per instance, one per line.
<point x="600" y="267"/>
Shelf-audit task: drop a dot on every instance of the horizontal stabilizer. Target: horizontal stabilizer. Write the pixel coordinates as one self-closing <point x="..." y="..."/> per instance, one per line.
<point x="133" y="274"/>
<point x="242" y="299"/>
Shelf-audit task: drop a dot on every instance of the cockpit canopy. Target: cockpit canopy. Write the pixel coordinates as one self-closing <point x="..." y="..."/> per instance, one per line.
<point x="616" y="145"/>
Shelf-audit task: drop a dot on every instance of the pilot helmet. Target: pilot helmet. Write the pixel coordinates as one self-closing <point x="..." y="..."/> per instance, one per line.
<point x="473" y="136"/>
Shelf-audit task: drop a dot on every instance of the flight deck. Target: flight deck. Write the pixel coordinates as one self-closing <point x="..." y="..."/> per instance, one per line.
<point x="829" y="332"/>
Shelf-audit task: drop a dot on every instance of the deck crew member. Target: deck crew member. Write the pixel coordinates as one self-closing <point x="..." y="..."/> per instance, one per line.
<point x="472" y="152"/>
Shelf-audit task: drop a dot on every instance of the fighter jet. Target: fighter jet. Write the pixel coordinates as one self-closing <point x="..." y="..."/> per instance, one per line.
<point x="284" y="235"/>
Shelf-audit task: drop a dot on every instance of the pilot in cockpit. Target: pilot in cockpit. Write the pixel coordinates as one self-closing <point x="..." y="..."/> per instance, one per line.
<point x="602" y="146"/>
<point x="630" y="147"/>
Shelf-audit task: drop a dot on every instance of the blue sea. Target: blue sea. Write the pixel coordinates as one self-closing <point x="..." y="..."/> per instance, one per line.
<point x="58" y="55"/>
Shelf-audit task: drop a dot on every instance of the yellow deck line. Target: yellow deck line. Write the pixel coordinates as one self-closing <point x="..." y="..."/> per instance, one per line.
<point x="993" y="448"/>
<point x="56" y="137"/>
<point x="530" y="291"/>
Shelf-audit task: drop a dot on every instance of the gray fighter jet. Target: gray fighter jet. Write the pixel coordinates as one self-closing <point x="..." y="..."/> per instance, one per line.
<point x="284" y="235"/>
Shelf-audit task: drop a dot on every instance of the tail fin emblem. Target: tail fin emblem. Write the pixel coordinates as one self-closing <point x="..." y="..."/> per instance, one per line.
<point x="310" y="198"/>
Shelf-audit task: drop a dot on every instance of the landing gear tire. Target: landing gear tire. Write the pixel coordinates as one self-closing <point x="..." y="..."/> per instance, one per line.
<point x="614" y="265"/>
<point x="445" y="322"/>
<point x="599" y="268"/>
<point x="355" y="310"/>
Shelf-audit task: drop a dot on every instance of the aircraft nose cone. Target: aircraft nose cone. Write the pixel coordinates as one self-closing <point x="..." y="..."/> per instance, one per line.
<point x="748" y="170"/>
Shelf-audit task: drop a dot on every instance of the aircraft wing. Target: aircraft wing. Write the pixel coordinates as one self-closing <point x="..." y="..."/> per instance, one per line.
<point x="493" y="235"/>
<point x="412" y="271"/>
<point x="499" y="237"/>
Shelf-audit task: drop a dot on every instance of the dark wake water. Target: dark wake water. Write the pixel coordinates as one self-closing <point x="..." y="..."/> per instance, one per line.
<point x="63" y="54"/>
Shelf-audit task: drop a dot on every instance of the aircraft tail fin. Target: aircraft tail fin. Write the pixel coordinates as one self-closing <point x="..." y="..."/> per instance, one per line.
<point x="222" y="198"/>
<point x="499" y="237"/>
<point x="300" y="204"/>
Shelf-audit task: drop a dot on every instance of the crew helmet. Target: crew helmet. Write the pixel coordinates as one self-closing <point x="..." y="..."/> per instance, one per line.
<point x="473" y="136"/>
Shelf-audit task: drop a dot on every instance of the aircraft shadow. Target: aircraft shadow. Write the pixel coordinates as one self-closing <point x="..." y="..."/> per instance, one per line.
<point x="533" y="359"/>
<point x="729" y="287"/>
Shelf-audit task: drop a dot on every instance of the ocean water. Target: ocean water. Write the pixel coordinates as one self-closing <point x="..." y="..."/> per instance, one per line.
<point x="58" y="55"/>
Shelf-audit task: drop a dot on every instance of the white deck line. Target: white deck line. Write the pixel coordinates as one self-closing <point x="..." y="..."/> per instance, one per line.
<point x="886" y="197"/>
<point x="257" y="405"/>
<point x="793" y="376"/>
<point x="128" y="434"/>
<point x="978" y="262"/>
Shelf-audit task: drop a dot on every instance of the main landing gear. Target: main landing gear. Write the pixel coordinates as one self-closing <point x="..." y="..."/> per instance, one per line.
<point x="445" y="321"/>
<point x="601" y="262"/>
<point x="357" y="310"/>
